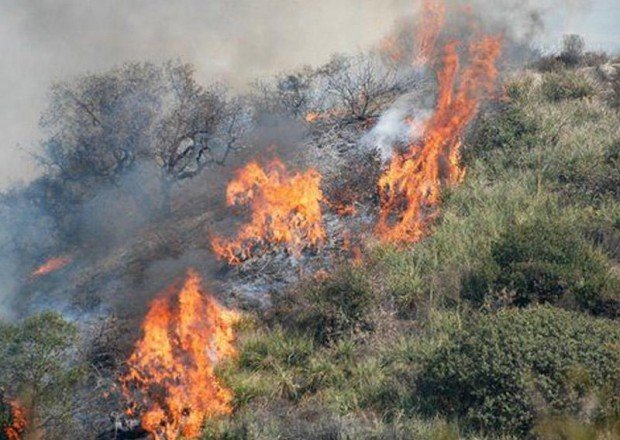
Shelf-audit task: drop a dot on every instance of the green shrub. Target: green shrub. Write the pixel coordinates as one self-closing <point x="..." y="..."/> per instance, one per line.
<point x="331" y="308"/>
<point x="506" y="370"/>
<point x="544" y="259"/>
<point x="505" y="127"/>
<point x="566" y="85"/>
<point x="592" y="175"/>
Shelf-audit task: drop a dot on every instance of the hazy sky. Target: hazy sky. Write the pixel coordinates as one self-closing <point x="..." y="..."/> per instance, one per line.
<point x="42" y="41"/>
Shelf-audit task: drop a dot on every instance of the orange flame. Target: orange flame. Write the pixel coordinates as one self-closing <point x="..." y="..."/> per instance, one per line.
<point x="18" y="424"/>
<point x="410" y="188"/>
<point x="312" y="117"/>
<point x="52" y="265"/>
<point x="432" y="21"/>
<point x="172" y="365"/>
<point x="285" y="209"/>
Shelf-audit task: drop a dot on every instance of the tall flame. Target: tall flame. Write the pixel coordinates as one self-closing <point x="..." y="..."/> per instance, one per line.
<point x="171" y="369"/>
<point x="432" y="21"/>
<point x="285" y="210"/>
<point x="410" y="188"/>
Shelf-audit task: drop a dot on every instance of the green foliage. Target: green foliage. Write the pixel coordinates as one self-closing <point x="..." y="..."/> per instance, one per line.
<point x="543" y="260"/>
<point x="333" y="307"/>
<point x="507" y="369"/>
<point x="506" y="127"/>
<point x="566" y="85"/>
<point x="40" y="368"/>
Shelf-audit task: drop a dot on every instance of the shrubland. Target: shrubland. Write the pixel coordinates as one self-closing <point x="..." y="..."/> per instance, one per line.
<point x="501" y="324"/>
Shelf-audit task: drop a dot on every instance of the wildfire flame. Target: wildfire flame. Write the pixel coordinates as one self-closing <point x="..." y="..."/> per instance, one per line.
<point x="312" y="117"/>
<point x="172" y="366"/>
<point x="18" y="424"/>
<point x="432" y="21"/>
<point x="285" y="210"/>
<point x="51" y="265"/>
<point x="411" y="186"/>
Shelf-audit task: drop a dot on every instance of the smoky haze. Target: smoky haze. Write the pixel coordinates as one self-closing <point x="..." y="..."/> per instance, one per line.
<point x="43" y="41"/>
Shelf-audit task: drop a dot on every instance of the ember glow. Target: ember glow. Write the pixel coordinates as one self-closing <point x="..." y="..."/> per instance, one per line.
<point x="171" y="370"/>
<point x="410" y="188"/>
<point x="17" y="428"/>
<point x="51" y="265"/>
<point x="285" y="210"/>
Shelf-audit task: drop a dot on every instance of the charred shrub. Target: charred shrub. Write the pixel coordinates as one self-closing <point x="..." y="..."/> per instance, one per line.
<point x="507" y="370"/>
<point x="543" y="260"/>
<point x="333" y="307"/>
<point x="558" y="87"/>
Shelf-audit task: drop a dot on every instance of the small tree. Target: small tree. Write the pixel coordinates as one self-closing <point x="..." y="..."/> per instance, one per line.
<point x="39" y="368"/>
<point x="100" y="126"/>
<point x="572" y="50"/>
<point x="363" y="85"/>
<point x="291" y="94"/>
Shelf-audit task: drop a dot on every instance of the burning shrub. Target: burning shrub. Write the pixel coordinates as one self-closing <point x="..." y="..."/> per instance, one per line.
<point x="566" y="85"/>
<point x="507" y="370"/>
<point x="13" y="421"/>
<point x="543" y="260"/>
<point x="285" y="210"/>
<point x="411" y="186"/>
<point x="172" y="365"/>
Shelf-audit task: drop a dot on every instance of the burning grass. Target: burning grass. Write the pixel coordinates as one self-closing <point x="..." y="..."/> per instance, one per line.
<point x="285" y="210"/>
<point x="18" y="422"/>
<point x="171" y="370"/>
<point x="410" y="188"/>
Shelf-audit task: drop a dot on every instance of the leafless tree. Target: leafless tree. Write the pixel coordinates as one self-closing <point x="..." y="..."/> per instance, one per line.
<point x="291" y="94"/>
<point x="363" y="85"/>
<point x="102" y="125"/>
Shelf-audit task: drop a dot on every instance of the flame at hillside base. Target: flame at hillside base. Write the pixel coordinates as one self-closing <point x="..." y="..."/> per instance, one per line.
<point x="285" y="210"/>
<point x="17" y="428"/>
<point x="52" y="265"/>
<point x="410" y="188"/>
<point x="171" y="377"/>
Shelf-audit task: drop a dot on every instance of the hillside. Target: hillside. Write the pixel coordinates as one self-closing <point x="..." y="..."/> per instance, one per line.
<point x="293" y="285"/>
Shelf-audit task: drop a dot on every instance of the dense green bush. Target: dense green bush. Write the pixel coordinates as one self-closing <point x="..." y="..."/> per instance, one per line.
<point x="566" y="85"/>
<point x="40" y="366"/>
<point x="544" y="259"/>
<point x="507" y="126"/>
<point x="329" y="308"/>
<point x="508" y="369"/>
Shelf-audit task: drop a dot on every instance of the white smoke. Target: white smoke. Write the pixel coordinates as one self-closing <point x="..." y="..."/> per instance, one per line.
<point x="402" y="122"/>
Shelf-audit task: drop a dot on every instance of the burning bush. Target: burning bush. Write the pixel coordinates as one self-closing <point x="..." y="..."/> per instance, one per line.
<point x="285" y="210"/>
<point x="411" y="186"/>
<point x="172" y="366"/>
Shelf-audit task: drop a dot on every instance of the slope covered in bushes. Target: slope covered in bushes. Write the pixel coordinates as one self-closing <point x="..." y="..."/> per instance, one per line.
<point x="502" y="323"/>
